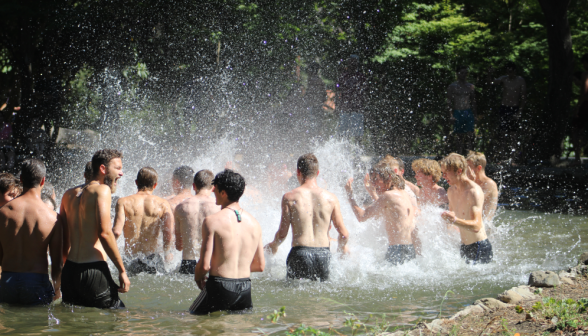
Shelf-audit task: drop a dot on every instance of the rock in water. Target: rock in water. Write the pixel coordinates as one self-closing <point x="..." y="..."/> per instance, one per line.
<point x="490" y="303"/>
<point x="583" y="259"/>
<point x="510" y="296"/>
<point x="543" y="279"/>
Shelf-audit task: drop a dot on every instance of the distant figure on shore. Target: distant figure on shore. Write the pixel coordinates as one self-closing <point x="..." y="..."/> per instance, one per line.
<point x="351" y="96"/>
<point x="394" y="208"/>
<point x="477" y="173"/>
<point x="181" y="185"/>
<point x="580" y="118"/>
<point x="514" y="96"/>
<point x="461" y="104"/>
<point x="309" y="210"/>
<point x="189" y="216"/>
<point x="231" y="250"/>
<point x="8" y="188"/>
<point x="27" y="229"/>
<point x="142" y="217"/>
<point x="466" y="200"/>
<point x="428" y="173"/>
<point x="86" y="279"/>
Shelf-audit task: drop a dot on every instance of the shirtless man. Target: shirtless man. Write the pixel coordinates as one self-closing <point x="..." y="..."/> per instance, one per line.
<point x="309" y="210"/>
<point x="466" y="201"/>
<point x="461" y="104"/>
<point x="428" y="173"/>
<point x="86" y="279"/>
<point x="189" y="216"/>
<point x="514" y="92"/>
<point x="477" y="173"/>
<point x="141" y="217"/>
<point x="182" y="185"/>
<point x="231" y="250"/>
<point x="27" y="229"/>
<point x="394" y="208"/>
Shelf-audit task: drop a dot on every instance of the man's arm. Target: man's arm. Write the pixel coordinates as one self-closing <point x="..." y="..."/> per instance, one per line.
<point x="203" y="265"/>
<point x="258" y="262"/>
<point x="119" y="219"/>
<point x="56" y="254"/>
<point x="475" y="224"/>
<point x="282" y="233"/>
<point x="369" y="187"/>
<point x="106" y="236"/>
<point x="490" y="204"/>
<point x="361" y="214"/>
<point x="62" y="216"/>
<point x="337" y="220"/>
<point x="178" y="227"/>
<point x="168" y="227"/>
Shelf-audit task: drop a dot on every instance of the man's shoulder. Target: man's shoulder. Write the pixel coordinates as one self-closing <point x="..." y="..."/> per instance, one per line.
<point x="490" y="184"/>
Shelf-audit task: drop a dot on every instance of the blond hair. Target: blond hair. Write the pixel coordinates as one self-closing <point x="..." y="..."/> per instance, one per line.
<point x="428" y="168"/>
<point x="477" y="159"/>
<point x="389" y="176"/>
<point x="389" y="161"/>
<point x="454" y="162"/>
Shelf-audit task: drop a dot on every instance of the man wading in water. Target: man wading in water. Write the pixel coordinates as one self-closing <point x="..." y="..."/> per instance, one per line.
<point x="461" y="105"/>
<point x="142" y="216"/>
<point x="394" y="207"/>
<point x="231" y="250"/>
<point x="182" y="185"/>
<point x="310" y="211"/>
<point x="86" y="279"/>
<point x="189" y="216"/>
<point x="466" y="201"/>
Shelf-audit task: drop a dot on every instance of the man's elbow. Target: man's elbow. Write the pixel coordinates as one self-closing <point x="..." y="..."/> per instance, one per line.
<point x="117" y="233"/>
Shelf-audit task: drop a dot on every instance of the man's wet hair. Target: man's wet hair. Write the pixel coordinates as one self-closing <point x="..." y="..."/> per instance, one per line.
<point x="7" y="182"/>
<point x="389" y="176"/>
<point x="88" y="171"/>
<point x="453" y="162"/>
<point x="146" y="178"/>
<point x="461" y="67"/>
<point x="48" y="189"/>
<point x="32" y="172"/>
<point x="203" y="179"/>
<point x="308" y="165"/>
<point x="103" y="157"/>
<point x="184" y="175"/>
<point x="231" y="182"/>
<point x="428" y="168"/>
<point x="477" y="159"/>
<point x="389" y="161"/>
<point x="510" y="65"/>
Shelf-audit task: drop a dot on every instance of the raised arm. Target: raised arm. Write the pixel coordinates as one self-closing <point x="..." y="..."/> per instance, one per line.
<point x="178" y="213"/>
<point x="369" y="187"/>
<point x="56" y="254"/>
<point x="361" y="214"/>
<point x="62" y="217"/>
<point x="337" y="220"/>
<point x="106" y="236"/>
<point x="282" y="233"/>
<point x="203" y="265"/>
<point x="119" y="219"/>
<point x="168" y="227"/>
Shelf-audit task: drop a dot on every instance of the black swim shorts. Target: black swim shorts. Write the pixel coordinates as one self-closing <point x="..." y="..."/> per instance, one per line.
<point x="152" y="264"/>
<point x="312" y="263"/>
<point x="508" y="121"/>
<point x="90" y="285"/>
<point x="477" y="253"/>
<point x="223" y="294"/>
<point x="188" y="266"/>
<point x="25" y="288"/>
<point x="399" y="254"/>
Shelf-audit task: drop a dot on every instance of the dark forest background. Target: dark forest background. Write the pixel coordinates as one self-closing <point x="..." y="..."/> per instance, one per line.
<point x="91" y="64"/>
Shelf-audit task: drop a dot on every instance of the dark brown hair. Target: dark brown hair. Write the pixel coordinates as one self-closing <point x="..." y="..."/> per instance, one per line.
<point x="203" y="179"/>
<point x="184" y="175"/>
<point x="7" y="182"/>
<point x="32" y="172"/>
<point x="146" y="178"/>
<point x="103" y="157"/>
<point x="308" y="165"/>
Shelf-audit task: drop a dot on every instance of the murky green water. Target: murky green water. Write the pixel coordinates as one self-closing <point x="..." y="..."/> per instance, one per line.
<point x="361" y="284"/>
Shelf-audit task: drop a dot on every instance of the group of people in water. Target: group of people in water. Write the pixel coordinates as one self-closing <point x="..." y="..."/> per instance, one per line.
<point x="221" y="242"/>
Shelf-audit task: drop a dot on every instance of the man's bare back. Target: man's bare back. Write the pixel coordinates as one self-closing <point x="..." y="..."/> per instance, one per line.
<point x="189" y="216"/>
<point x="513" y="89"/>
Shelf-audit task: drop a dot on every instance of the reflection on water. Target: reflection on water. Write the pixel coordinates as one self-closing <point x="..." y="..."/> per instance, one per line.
<point x="360" y="284"/>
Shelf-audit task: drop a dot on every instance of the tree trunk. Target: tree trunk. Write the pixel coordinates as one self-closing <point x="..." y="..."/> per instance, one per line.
<point x="561" y="65"/>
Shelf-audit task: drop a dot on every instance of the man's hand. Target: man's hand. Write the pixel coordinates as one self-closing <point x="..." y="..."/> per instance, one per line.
<point x="271" y="247"/>
<point x="449" y="216"/>
<point x="57" y="294"/>
<point x="169" y="257"/>
<point x="125" y="284"/>
<point x="349" y="187"/>
<point x="367" y="183"/>
<point x="344" y="251"/>
<point x="201" y="283"/>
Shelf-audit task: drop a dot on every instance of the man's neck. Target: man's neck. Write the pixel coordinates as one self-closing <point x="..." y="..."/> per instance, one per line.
<point x="231" y="205"/>
<point x="481" y="177"/>
<point x="462" y="181"/>
<point x="204" y="192"/>
<point x="145" y="192"/>
<point x="184" y="192"/>
<point x="33" y="191"/>
<point x="309" y="183"/>
<point x="428" y="185"/>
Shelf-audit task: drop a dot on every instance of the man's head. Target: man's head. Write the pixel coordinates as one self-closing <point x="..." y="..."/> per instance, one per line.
<point x="146" y="179"/>
<point x="476" y="161"/>
<point x="7" y="188"/>
<point x="107" y="165"/>
<point x="426" y="170"/>
<point x="511" y="68"/>
<point x="88" y="175"/>
<point x="203" y="180"/>
<point x="307" y="166"/>
<point x="453" y="166"/>
<point x="384" y="179"/>
<point x="228" y="186"/>
<point x="182" y="178"/>
<point x="393" y="163"/>
<point x="462" y="72"/>
<point x="32" y="173"/>
<point x="48" y="190"/>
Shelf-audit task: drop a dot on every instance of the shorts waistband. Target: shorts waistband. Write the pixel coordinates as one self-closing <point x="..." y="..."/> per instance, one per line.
<point x="481" y="242"/>
<point x="220" y="278"/>
<point x="26" y="274"/>
<point x="311" y="248"/>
